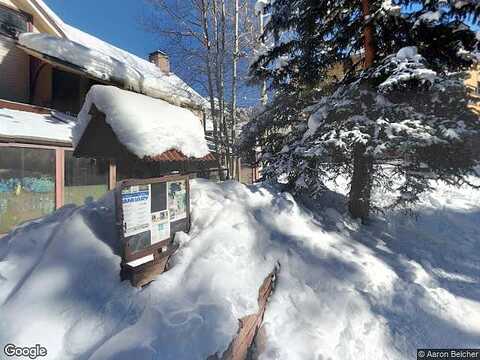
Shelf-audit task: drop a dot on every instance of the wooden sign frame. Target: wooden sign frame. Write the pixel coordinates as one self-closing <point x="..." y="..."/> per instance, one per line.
<point x="163" y="248"/>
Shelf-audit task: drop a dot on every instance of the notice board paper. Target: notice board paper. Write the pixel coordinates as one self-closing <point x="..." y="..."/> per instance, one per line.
<point x="177" y="200"/>
<point x="136" y="202"/>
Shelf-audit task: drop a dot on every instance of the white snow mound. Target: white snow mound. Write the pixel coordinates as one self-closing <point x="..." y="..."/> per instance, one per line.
<point x="344" y="291"/>
<point x="146" y="126"/>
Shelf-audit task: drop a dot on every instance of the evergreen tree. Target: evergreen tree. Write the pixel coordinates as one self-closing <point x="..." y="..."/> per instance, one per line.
<point x="398" y="117"/>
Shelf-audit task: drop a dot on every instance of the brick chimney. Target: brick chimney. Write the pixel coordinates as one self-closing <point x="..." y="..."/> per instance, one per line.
<point x="160" y="59"/>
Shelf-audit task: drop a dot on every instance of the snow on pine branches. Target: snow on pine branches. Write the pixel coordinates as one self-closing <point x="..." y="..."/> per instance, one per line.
<point x="390" y="127"/>
<point x="410" y="119"/>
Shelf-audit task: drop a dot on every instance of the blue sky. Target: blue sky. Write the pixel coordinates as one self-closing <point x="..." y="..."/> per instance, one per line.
<point x="117" y="22"/>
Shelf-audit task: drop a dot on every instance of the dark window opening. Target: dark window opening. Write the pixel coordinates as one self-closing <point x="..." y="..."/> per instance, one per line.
<point x="69" y="91"/>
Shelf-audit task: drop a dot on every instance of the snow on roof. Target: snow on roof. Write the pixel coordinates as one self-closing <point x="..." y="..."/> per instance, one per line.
<point x="153" y="81"/>
<point x="93" y="62"/>
<point x="28" y="125"/>
<point x="146" y="126"/>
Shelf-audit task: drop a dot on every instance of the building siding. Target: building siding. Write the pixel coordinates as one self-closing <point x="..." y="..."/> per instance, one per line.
<point x="43" y="87"/>
<point x="14" y="71"/>
<point x="9" y="3"/>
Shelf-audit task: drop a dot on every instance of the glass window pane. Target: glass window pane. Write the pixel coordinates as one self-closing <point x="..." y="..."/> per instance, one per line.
<point x="27" y="185"/>
<point x="84" y="178"/>
<point x="12" y="23"/>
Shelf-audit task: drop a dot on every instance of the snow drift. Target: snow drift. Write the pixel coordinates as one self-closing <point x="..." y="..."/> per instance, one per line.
<point x="344" y="290"/>
<point x="146" y="126"/>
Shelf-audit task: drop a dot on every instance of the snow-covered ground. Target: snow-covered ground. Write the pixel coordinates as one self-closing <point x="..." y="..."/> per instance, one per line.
<point x="344" y="291"/>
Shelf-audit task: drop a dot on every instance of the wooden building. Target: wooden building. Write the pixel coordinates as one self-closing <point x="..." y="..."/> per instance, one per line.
<point x="42" y="89"/>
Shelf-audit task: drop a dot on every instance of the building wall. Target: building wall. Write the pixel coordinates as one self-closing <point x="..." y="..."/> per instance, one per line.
<point x="43" y="87"/>
<point x="40" y="22"/>
<point x="473" y="83"/>
<point x="246" y="175"/>
<point x="14" y="71"/>
<point x="8" y="3"/>
<point x="15" y="63"/>
<point x="14" y="67"/>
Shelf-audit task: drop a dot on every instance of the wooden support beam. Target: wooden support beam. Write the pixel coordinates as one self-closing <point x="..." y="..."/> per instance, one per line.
<point x="112" y="175"/>
<point x="59" y="177"/>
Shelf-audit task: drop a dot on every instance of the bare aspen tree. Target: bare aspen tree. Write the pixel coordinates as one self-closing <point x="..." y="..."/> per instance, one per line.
<point x="208" y="63"/>
<point x="261" y="28"/>
<point x="211" y="37"/>
<point x="235" y="55"/>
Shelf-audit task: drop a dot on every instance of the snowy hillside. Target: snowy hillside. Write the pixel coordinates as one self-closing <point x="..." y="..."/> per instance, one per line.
<point x="344" y="290"/>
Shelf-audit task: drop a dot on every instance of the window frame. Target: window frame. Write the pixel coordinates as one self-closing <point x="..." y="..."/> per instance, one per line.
<point x="28" y="18"/>
<point x="108" y="174"/>
<point x="43" y="147"/>
<point x="60" y="168"/>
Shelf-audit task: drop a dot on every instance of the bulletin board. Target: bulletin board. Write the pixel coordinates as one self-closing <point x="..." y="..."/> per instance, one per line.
<point x="150" y="212"/>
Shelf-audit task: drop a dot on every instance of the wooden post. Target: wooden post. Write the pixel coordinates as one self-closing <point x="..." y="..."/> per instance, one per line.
<point x="112" y="175"/>
<point x="59" y="177"/>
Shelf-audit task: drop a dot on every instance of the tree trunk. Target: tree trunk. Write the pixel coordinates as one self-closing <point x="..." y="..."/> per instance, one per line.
<point x="368" y="38"/>
<point x="263" y="89"/>
<point x="226" y="134"/>
<point x="206" y="35"/>
<point x="361" y="184"/>
<point x="233" y="167"/>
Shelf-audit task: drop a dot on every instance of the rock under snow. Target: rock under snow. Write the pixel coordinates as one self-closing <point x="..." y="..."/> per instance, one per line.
<point x="146" y="126"/>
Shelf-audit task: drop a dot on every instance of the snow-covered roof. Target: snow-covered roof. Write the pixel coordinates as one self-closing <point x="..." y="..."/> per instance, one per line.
<point x="141" y="75"/>
<point x="144" y="125"/>
<point x="32" y="126"/>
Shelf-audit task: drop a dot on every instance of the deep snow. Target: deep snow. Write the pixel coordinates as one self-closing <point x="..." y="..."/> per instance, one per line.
<point x="344" y="291"/>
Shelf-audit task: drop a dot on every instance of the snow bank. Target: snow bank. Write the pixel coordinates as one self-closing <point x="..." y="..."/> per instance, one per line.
<point x="60" y="276"/>
<point x="344" y="291"/>
<point x="146" y="126"/>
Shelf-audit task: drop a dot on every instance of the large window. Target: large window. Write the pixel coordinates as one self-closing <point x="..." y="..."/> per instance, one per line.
<point x="84" y="178"/>
<point x="12" y="23"/>
<point x="27" y="185"/>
